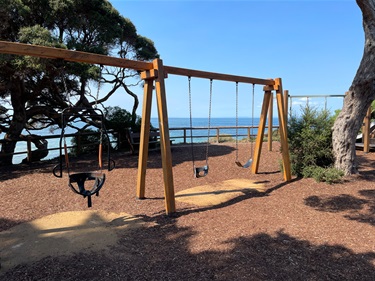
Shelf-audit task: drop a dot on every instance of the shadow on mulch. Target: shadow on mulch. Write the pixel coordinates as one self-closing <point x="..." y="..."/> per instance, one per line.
<point x="361" y="209"/>
<point x="366" y="167"/>
<point x="161" y="251"/>
<point x="184" y="155"/>
<point x="247" y="194"/>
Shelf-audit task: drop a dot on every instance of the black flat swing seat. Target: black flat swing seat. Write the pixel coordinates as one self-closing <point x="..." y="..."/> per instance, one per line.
<point x="200" y="172"/>
<point x="81" y="178"/>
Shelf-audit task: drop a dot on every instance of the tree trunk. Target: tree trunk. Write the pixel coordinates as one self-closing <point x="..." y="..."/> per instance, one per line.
<point x="41" y="151"/>
<point x="358" y="99"/>
<point x="17" y="124"/>
<point x="135" y="105"/>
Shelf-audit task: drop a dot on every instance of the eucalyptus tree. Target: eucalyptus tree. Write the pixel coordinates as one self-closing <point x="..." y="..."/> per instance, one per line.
<point x="34" y="90"/>
<point x="358" y="99"/>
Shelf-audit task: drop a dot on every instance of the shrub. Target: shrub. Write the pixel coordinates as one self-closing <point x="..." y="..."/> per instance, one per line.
<point x="329" y="175"/>
<point x="120" y="120"/>
<point x="116" y="119"/>
<point x="86" y="141"/>
<point x="310" y="144"/>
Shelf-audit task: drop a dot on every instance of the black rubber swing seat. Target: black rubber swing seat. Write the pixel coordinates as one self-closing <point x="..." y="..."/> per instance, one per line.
<point x="200" y="172"/>
<point x="81" y="178"/>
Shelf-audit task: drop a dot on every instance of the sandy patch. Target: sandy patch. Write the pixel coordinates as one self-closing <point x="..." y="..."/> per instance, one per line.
<point x="218" y="193"/>
<point x="62" y="234"/>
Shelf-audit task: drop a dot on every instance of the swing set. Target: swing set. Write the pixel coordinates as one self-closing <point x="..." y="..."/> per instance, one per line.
<point x="154" y="75"/>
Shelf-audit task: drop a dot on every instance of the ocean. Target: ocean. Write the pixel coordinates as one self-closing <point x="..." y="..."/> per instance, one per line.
<point x="176" y="126"/>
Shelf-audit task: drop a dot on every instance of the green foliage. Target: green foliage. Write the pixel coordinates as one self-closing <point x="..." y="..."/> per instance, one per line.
<point x="85" y="141"/>
<point x="36" y="35"/>
<point x="310" y="143"/>
<point x="120" y="120"/>
<point x="222" y="138"/>
<point x="38" y="88"/>
<point x="373" y="110"/>
<point x="329" y="175"/>
<point x="145" y="48"/>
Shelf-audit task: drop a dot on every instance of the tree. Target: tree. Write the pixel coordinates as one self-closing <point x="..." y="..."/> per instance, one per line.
<point x="358" y="99"/>
<point x="33" y="90"/>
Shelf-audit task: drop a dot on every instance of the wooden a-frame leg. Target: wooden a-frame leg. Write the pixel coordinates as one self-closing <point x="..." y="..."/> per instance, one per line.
<point x="283" y="130"/>
<point x="144" y="138"/>
<point x="166" y="155"/>
<point x="262" y="124"/>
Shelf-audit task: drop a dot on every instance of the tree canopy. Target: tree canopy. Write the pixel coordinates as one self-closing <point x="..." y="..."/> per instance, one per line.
<point x="34" y="90"/>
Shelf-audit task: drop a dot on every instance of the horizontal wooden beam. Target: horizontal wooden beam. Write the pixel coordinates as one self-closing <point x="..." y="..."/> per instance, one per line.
<point x="77" y="56"/>
<point x="69" y="55"/>
<point x="217" y="76"/>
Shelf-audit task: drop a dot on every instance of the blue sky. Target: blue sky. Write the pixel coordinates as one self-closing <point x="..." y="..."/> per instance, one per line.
<point x="314" y="46"/>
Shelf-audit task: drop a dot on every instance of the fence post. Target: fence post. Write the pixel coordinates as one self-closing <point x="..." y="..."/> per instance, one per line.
<point x="79" y="144"/>
<point x="119" y="140"/>
<point x="29" y="149"/>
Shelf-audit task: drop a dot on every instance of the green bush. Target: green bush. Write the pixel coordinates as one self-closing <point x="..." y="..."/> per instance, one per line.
<point x="120" y="120"/>
<point x="329" y="175"/>
<point x="116" y="119"/>
<point x="86" y="141"/>
<point x="310" y="144"/>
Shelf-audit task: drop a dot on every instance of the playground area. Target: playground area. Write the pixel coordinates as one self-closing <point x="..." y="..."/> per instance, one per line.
<point x="229" y="225"/>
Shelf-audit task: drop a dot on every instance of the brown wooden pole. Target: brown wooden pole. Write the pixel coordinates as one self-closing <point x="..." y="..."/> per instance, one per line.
<point x="166" y="155"/>
<point x="100" y="160"/>
<point x="261" y="127"/>
<point x="145" y="133"/>
<point x="283" y="130"/>
<point x="217" y="76"/>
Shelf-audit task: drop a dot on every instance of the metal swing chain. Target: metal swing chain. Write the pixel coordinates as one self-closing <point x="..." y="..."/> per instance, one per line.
<point x="99" y="84"/>
<point x="236" y="121"/>
<point x="191" y="124"/>
<point x="209" y="122"/>
<point x="252" y="122"/>
<point x="66" y="155"/>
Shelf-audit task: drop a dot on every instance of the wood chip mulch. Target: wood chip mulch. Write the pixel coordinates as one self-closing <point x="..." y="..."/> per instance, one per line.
<point x="298" y="230"/>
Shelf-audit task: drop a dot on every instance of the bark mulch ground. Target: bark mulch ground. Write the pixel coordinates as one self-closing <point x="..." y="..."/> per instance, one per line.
<point x="298" y="230"/>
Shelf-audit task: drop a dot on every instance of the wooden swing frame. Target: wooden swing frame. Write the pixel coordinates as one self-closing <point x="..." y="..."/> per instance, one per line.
<point x="154" y="75"/>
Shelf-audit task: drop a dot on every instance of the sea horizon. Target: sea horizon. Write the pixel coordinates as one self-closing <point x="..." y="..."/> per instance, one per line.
<point x="200" y="135"/>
